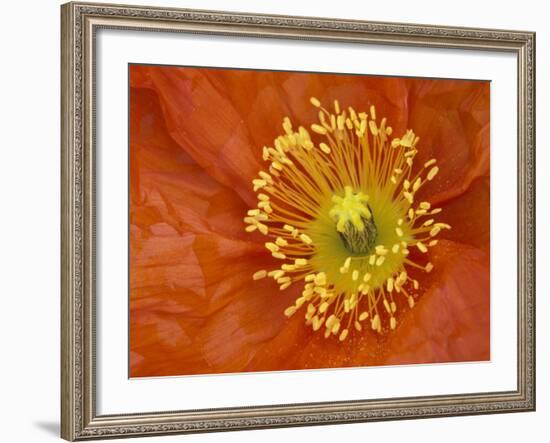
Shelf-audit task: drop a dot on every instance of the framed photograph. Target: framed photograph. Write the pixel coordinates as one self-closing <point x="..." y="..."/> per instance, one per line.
<point x="282" y="221"/>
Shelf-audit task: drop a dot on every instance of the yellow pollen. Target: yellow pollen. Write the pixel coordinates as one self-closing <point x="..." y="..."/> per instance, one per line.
<point x="315" y="102"/>
<point x="421" y="247"/>
<point x="319" y="129"/>
<point x="260" y="274"/>
<point x="433" y="172"/>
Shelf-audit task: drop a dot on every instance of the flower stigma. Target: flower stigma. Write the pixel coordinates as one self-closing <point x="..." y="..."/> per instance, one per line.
<point x="340" y="211"/>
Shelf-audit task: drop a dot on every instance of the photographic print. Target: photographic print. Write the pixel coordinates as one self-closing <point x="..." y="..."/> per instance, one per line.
<point x="295" y="220"/>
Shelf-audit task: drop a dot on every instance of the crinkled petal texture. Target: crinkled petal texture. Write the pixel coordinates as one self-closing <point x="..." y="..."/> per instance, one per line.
<point x="196" y="137"/>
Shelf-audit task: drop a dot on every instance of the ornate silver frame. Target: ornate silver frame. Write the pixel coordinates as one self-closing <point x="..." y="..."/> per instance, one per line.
<point x="80" y="21"/>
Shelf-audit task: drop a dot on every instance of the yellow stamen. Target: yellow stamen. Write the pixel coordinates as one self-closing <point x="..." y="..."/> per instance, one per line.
<point x="344" y="203"/>
<point x="260" y="274"/>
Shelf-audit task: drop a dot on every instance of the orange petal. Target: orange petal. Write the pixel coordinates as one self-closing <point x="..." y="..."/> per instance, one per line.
<point x="195" y="308"/>
<point x="201" y="119"/>
<point x="452" y="120"/>
<point x="451" y="321"/>
<point x="469" y="215"/>
<point x="167" y="187"/>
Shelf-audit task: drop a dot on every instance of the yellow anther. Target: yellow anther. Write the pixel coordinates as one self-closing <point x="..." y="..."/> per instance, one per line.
<point x="300" y="262"/>
<point x="417" y="184"/>
<point x="434" y="231"/>
<point x="331" y="321"/>
<point x="277" y="274"/>
<point x="251" y="228"/>
<point x="421" y="247"/>
<point x="409" y="197"/>
<point x="321" y="291"/>
<point x="389" y="284"/>
<point x="290" y="311"/>
<point x="410" y="300"/>
<point x="380" y="260"/>
<point x="306" y="239"/>
<point x="381" y="250"/>
<point x="393" y="307"/>
<point x="343" y="335"/>
<point x="346" y="306"/>
<point x="429" y="267"/>
<point x="319" y="129"/>
<point x="276" y="165"/>
<point x="325" y="148"/>
<point x="258" y="183"/>
<point x="433" y="172"/>
<point x="340" y="122"/>
<point x="315" y="102"/>
<point x="393" y="322"/>
<point x="320" y="279"/>
<point x="364" y="315"/>
<point x="288" y="267"/>
<point x="355" y="275"/>
<point x="263" y="228"/>
<point x="430" y="162"/>
<point x="259" y="274"/>
<point x="373" y="128"/>
<point x="375" y="322"/>
<point x="367" y="276"/>
<point x="399" y="232"/>
<point x="278" y="255"/>
<point x="358" y="326"/>
<point x="333" y="121"/>
<point x="287" y="125"/>
<point x="272" y="247"/>
<point x="316" y="323"/>
<point x="373" y="112"/>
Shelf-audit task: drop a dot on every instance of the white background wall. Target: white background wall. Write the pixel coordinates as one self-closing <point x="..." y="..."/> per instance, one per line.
<point x="29" y="218"/>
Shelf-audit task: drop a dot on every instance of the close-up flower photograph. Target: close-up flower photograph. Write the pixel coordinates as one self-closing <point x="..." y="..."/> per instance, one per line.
<point x="286" y="220"/>
<point x="292" y="220"/>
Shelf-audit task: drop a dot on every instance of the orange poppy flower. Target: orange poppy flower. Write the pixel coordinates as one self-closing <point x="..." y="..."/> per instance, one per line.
<point x="196" y="144"/>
